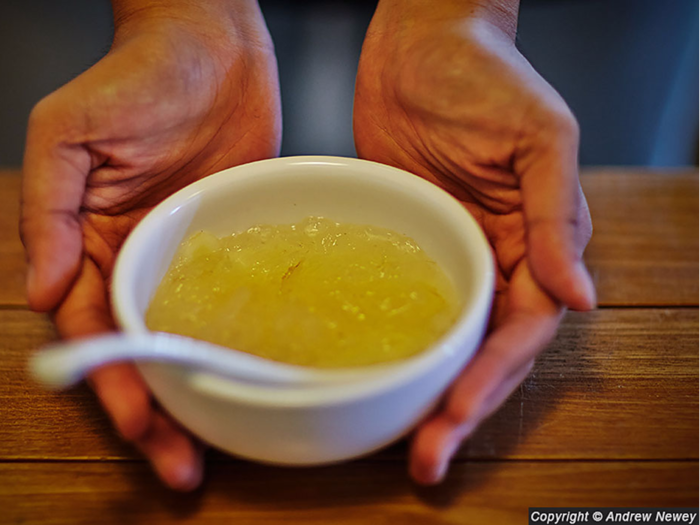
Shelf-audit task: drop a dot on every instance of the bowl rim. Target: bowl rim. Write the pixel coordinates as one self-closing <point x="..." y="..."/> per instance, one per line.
<point x="397" y="373"/>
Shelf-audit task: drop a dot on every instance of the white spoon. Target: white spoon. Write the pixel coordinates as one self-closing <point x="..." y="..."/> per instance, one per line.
<point x="63" y="364"/>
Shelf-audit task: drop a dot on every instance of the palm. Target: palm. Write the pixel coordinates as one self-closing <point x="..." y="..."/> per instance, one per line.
<point x="150" y="146"/>
<point x="157" y="113"/>
<point x="430" y="128"/>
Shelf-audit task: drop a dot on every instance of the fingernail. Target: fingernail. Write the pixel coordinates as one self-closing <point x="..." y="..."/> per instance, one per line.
<point x="443" y="466"/>
<point x="441" y="471"/>
<point x="588" y="288"/>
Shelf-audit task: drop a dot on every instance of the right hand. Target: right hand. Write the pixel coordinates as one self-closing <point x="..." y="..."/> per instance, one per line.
<point x="179" y="96"/>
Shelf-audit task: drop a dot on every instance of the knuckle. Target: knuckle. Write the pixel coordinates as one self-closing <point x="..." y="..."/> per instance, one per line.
<point x="41" y="112"/>
<point x="131" y="428"/>
<point x="52" y="116"/>
<point x="461" y="412"/>
<point x="585" y="223"/>
<point x="24" y="233"/>
<point x="588" y="229"/>
<point x="563" y="122"/>
<point x="36" y="219"/>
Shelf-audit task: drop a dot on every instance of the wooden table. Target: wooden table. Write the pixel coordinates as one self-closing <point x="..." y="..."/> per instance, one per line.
<point x="608" y="417"/>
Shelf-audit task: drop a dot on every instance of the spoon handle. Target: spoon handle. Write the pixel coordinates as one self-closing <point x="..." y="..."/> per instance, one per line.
<point x="63" y="364"/>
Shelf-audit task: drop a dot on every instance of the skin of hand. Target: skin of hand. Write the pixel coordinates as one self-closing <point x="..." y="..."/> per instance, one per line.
<point x="443" y="92"/>
<point x="187" y="89"/>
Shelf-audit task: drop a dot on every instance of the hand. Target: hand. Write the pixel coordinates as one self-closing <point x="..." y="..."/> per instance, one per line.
<point x="446" y="95"/>
<point x="180" y="95"/>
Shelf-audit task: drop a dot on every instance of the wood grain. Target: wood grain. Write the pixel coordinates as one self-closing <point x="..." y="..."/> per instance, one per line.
<point x="644" y="249"/>
<point x="12" y="261"/>
<point x="614" y="384"/>
<point x="475" y="492"/>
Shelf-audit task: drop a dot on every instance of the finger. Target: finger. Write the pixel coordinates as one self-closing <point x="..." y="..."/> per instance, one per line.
<point x="174" y="456"/>
<point x="120" y="389"/>
<point x="529" y="323"/>
<point x="478" y="392"/>
<point x="53" y="183"/>
<point x="553" y="206"/>
<point x="502" y="362"/>
<point x="124" y="396"/>
<point x="177" y="460"/>
<point x="439" y="438"/>
<point x="85" y="309"/>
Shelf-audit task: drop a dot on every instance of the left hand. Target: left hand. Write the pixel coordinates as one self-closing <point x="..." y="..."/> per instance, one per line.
<point x="447" y="96"/>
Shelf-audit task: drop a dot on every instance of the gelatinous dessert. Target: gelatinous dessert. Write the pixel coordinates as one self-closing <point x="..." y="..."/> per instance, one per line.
<point x="317" y="293"/>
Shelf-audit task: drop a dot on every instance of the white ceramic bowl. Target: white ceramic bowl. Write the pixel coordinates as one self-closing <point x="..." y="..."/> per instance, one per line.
<point x="324" y="423"/>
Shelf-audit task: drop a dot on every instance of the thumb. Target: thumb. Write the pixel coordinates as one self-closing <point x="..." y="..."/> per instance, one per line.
<point x="556" y="217"/>
<point x="53" y="184"/>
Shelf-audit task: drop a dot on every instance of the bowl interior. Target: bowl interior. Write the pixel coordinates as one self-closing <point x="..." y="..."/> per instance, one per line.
<point x="285" y="191"/>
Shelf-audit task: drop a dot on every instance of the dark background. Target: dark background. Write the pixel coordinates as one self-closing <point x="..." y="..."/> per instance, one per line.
<point x="628" y="69"/>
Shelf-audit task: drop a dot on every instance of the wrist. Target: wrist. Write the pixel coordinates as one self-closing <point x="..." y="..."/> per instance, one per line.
<point x="408" y="14"/>
<point x="221" y="24"/>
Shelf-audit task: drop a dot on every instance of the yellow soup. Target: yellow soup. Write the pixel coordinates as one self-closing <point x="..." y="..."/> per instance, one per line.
<point x="317" y="293"/>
